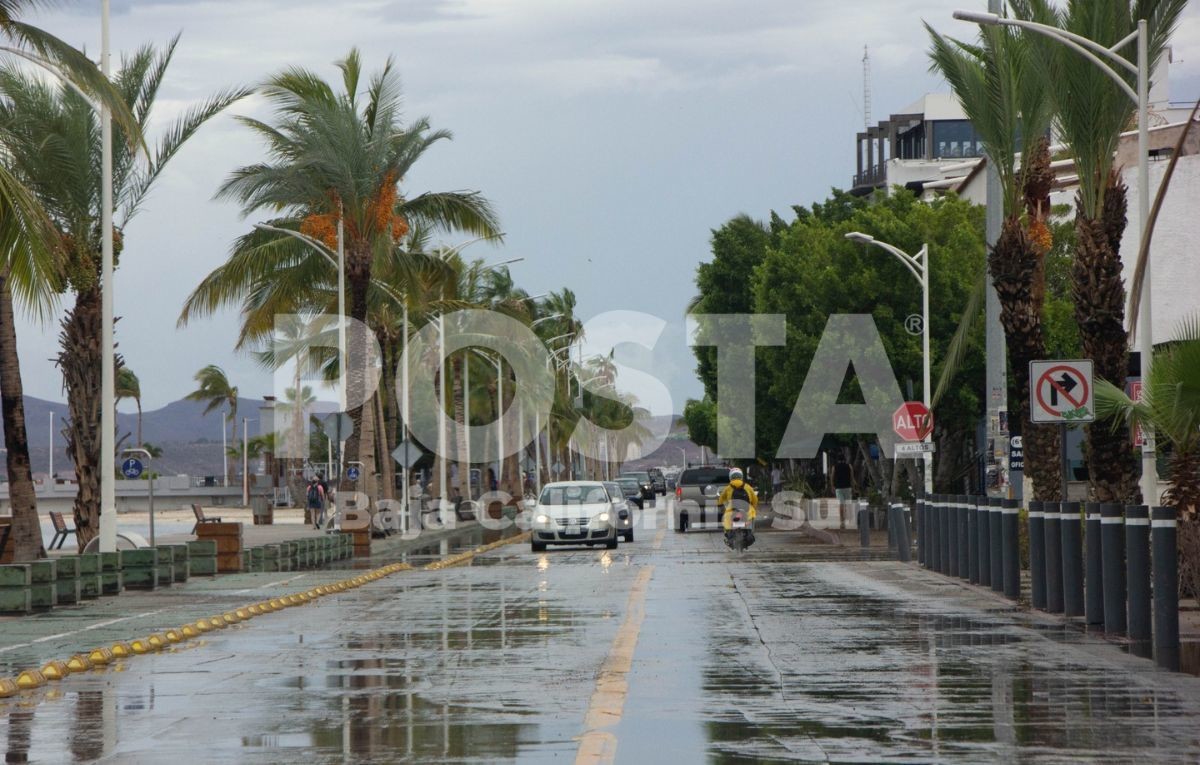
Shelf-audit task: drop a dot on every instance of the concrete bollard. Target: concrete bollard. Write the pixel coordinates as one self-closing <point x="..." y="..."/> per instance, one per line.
<point x="864" y="529"/>
<point x="946" y="511"/>
<point x="902" y="530"/>
<point x="1010" y="519"/>
<point x="972" y="541"/>
<point x="893" y="545"/>
<point x="935" y="535"/>
<point x="963" y="510"/>
<point x="1163" y="533"/>
<point x="1053" y="543"/>
<point x="1094" y="604"/>
<point x="1071" y="533"/>
<point x="1137" y="573"/>
<point x="43" y="585"/>
<point x="1037" y="555"/>
<point x="919" y="515"/>
<point x="996" y="537"/>
<point x="983" y="522"/>
<point x="66" y="581"/>
<point x="1112" y="549"/>
<point x="952" y="535"/>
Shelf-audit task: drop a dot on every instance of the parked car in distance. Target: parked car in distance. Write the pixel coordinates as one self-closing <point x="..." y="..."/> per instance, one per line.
<point x="631" y="489"/>
<point x="696" y="492"/>
<point x="644" y="482"/>
<point x="621" y="505"/>
<point x="573" y="513"/>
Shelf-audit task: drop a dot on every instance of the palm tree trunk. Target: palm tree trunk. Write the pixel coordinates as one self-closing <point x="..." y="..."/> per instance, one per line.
<point x="79" y="359"/>
<point x="360" y="446"/>
<point x="460" y="394"/>
<point x="1099" y="295"/>
<point x="386" y="464"/>
<point x="26" y="529"/>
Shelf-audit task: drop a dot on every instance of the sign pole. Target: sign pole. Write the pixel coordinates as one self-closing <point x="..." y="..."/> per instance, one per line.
<point x="1062" y="450"/>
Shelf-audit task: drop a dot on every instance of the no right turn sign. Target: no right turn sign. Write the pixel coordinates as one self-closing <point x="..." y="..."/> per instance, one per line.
<point x="1061" y="391"/>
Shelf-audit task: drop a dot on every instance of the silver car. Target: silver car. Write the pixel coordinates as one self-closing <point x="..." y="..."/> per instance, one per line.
<point x="623" y="508"/>
<point x="573" y="513"/>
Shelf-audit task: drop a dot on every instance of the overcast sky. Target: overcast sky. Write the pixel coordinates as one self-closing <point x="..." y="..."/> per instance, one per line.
<point x="611" y="135"/>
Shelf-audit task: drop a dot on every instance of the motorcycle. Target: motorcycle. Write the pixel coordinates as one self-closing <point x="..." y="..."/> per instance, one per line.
<point x="741" y="531"/>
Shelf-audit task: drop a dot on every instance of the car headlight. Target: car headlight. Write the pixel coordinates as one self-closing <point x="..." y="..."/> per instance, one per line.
<point x="542" y="520"/>
<point x="602" y="518"/>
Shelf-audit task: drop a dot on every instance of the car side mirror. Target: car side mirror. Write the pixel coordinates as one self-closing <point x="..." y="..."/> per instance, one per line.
<point x="622" y="514"/>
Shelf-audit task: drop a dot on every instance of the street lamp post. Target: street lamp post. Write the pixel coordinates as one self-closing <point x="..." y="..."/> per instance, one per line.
<point x="108" y="411"/>
<point x="1093" y="51"/>
<point x="918" y="266"/>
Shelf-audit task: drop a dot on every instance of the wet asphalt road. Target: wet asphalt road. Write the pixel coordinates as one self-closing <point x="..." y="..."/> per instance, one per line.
<point x="671" y="649"/>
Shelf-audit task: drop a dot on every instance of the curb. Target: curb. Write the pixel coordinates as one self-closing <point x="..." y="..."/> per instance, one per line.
<point x="99" y="658"/>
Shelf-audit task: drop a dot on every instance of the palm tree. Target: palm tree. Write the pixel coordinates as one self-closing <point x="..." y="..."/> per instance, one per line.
<point x="1090" y="114"/>
<point x="27" y="258"/>
<point x="1007" y="103"/>
<point x="340" y="158"/>
<point x="1170" y="405"/>
<point x="54" y="149"/>
<point x="214" y="388"/>
<point x="128" y="386"/>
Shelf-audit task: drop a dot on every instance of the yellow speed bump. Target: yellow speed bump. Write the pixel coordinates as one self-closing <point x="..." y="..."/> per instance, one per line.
<point x="140" y="646"/>
<point x="203" y="625"/>
<point x="277" y="603"/>
<point x="243" y="613"/>
<point x="156" y="642"/>
<point x="173" y="636"/>
<point x="231" y="618"/>
<point x="79" y="663"/>
<point x="8" y="687"/>
<point x="55" y="670"/>
<point x="217" y="622"/>
<point x="255" y="610"/>
<point x="121" y="650"/>
<point x="29" y="679"/>
<point x="100" y="656"/>
<point x="190" y="631"/>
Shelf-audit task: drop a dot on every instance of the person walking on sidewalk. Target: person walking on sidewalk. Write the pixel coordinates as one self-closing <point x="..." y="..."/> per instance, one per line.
<point x="842" y="481"/>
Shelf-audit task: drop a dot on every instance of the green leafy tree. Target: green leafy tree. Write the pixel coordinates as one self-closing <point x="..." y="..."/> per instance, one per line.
<point x="215" y="391"/>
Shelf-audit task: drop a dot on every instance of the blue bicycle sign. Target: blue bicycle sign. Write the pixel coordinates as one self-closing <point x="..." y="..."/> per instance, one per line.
<point x="352" y="473"/>
<point x="132" y="468"/>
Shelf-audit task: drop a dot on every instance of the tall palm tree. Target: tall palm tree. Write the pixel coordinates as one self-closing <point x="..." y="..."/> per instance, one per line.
<point x="27" y="257"/>
<point x="1006" y="100"/>
<point x="215" y="391"/>
<point x="128" y="386"/>
<point x="1170" y="405"/>
<point x="54" y="149"/>
<point x="341" y="157"/>
<point x="1091" y="112"/>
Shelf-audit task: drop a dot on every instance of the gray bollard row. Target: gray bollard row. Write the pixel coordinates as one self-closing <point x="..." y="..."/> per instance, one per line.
<point x="864" y="527"/>
<point x="898" y="519"/>
<point x="1070" y="529"/>
<point x="1052" y="542"/>
<point x="1112" y="548"/>
<point x="996" y="535"/>
<point x="951" y="535"/>
<point x="983" y="514"/>
<point x="1094" y="605"/>
<point x="1137" y="574"/>
<point x="919" y="516"/>
<point x="1166" y="587"/>
<point x="973" y="540"/>
<point x="962" y="509"/>
<point x="1010" y="529"/>
<point x="1037" y="555"/>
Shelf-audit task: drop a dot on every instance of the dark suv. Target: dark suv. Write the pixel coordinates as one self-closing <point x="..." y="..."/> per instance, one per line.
<point x="644" y="483"/>
<point x="658" y="481"/>
<point x="696" y="492"/>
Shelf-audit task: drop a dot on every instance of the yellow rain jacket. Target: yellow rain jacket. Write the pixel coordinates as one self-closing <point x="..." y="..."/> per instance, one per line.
<point x="726" y="501"/>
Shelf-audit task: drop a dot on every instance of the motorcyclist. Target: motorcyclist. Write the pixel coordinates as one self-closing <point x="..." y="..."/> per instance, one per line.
<point x="738" y="494"/>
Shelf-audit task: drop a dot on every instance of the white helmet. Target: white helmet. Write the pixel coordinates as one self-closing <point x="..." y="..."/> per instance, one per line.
<point x="736" y="474"/>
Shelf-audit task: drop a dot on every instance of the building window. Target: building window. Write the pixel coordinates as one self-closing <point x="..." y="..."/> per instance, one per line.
<point x="955" y="138"/>
<point x="910" y="144"/>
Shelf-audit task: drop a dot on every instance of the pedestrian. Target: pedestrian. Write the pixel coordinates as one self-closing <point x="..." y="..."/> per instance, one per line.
<point x="842" y="480"/>
<point x="776" y="481"/>
<point x="316" y="502"/>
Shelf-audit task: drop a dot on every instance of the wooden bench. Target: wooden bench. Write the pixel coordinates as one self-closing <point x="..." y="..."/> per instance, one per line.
<point x="61" y="531"/>
<point x="201" y="517"/>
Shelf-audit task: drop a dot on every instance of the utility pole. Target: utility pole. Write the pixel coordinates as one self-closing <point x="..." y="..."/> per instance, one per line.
<point x="996" y="394"/>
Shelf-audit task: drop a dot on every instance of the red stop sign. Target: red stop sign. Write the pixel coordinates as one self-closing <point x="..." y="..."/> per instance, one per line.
<point x="912" y="421"/>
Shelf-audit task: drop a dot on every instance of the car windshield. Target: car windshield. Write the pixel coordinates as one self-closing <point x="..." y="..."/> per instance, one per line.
<point x="628" y="483"/>
<point x="643" y="477"/>
<point x="573" y="494"/>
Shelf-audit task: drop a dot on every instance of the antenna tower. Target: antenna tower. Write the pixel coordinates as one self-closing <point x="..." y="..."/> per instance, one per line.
<point x="866" y="89"/>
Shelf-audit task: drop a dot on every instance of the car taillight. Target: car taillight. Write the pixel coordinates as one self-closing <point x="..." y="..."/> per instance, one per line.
<point x="678" y="492"/>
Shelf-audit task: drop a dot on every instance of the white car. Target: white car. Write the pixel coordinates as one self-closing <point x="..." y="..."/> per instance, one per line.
<point x="573" y="513"/>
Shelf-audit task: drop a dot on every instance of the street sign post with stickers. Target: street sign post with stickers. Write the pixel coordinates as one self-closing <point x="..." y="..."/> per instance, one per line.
<point x="1060" y="391"/>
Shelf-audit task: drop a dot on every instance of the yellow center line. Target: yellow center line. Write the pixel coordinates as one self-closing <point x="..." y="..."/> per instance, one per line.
<point x="598" y="744"/>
